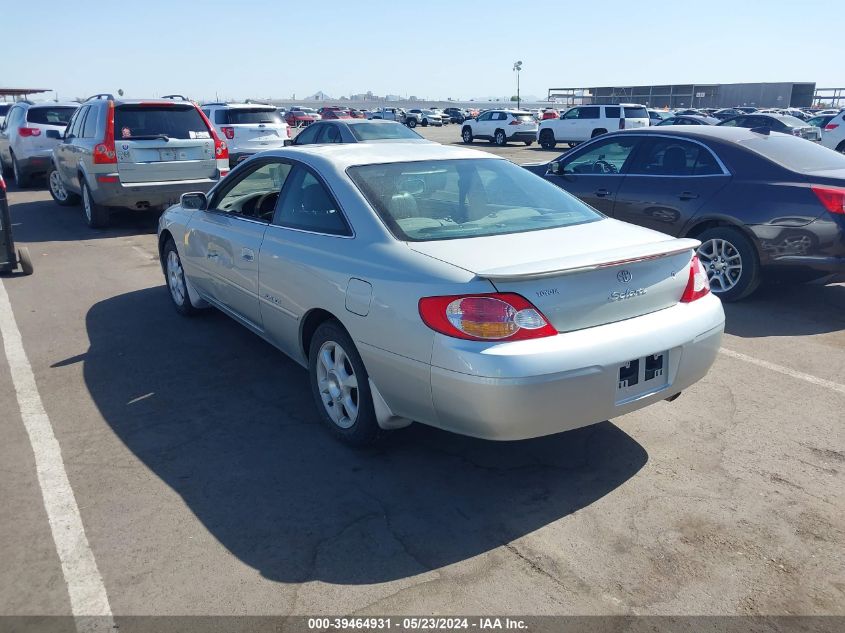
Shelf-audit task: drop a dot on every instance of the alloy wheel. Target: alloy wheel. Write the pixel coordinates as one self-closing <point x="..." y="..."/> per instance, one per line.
<point x="86" y="203"/>
<point x="338" y="384"/>
<point x="723" y="264"/>
<point x="176" y="278"/>
<point x="57" y="187"/>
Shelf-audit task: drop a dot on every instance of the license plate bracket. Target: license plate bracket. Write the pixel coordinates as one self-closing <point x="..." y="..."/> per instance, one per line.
<point x="639" y="377"/>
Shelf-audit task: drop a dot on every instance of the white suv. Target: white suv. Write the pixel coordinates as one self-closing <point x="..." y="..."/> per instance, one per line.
<point x="247" y="128"/>
<point x="25" y="147"/>
<point x="833" y="134"/>
<point x="582" y="123"/>
<point x="501" y="127"/>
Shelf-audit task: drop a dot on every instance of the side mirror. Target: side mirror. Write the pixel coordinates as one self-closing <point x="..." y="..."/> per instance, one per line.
<point x="194" y="201"/>
<point x="53" y="134"/>
<point x="556" y="168"/>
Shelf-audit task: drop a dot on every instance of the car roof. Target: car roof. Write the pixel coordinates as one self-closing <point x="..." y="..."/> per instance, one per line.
<point x="339" y="156"/>
<point x="717" y="132"/>
<point x="53" y="104"/>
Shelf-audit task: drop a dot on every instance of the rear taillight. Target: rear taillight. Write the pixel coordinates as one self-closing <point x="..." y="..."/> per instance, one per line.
<point x="621" y="124"/>
<point x="288" y="131"/>
<point x="2" y="184"/>
<point x="831" y="126"/>
<point x="698" y="284"/>
<point x="833" y="198"/>
<point x="105" y="153"/>
<point x="228" y="132"/>
<point x="29" y="131"/>
<point x="220" y="149"/>
<point x="224" y="173"/>
<point x="486" y="317"/>
<point x="796" y="131"/>
<point x="514" y="122"/>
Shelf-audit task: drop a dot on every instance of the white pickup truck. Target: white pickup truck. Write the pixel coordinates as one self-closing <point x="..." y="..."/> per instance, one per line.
<point x="388" y="114"/>
<point x="582" y="123"/>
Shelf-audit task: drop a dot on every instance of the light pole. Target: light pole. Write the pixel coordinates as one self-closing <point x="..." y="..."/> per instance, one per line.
<point x="517" y="67"/>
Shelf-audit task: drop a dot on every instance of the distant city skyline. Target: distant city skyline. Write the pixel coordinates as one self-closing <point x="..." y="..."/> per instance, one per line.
<point x="253" y="50"/>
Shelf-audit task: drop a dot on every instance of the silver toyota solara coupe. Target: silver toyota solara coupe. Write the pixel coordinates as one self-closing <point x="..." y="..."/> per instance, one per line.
<point x="443" y="285"/>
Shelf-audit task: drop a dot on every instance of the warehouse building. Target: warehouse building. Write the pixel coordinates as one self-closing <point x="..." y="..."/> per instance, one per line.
<point x="771" y="95"/>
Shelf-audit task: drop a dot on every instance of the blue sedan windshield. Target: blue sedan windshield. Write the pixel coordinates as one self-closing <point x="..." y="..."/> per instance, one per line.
<point x="449" y="199"/>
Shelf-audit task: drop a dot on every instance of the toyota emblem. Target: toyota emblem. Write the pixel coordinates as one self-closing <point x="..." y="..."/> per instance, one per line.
<point x="624" y="276"/>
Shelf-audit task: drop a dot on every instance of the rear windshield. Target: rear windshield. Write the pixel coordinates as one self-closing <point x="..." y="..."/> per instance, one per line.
<point x="525" y="118"/>
<point x="794" y="153"/>
<point x="792" y="121"/>
<point x="636" y="113"/>
<point x="171" y="121"/>
<point x="50" y="116"/>
<point x="453" y="199"/>
<point x="242" y="116"/>
<point x="379" y="131"/>
<point x="4" y="108"/>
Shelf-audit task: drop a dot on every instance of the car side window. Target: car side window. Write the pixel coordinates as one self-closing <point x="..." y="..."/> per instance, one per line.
<point x="590" y="112"/>
<point x="604" y="157"/>
<point x="308" y="135"/>
<point x="331" y="135"/>
<point x="572" y="114"/>
<point x="255" y="194"/>
<point x="75" y="129"/>
<point x="308" y="206"/>
<point x="220" y="116"/>
<point x="485" y="117"/>
<point x="737" y="122"/>
<point x="611" y="112"/>
<point x="675" y="157"/>
<point x="89" y="126"/>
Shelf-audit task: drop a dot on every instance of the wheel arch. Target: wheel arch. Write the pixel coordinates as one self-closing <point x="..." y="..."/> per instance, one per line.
<point x="309" y="323"/>
<point x="700" y="225"/>
<point x="162" y="240"/>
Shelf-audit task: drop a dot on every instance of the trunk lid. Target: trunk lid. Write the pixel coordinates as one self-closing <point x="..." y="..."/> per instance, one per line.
<point x="160" y="142"/>
<point x="579" y="276"/>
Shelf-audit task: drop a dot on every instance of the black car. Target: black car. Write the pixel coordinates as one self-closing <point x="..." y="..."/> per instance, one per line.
<point x="355" y="131"/>
<point x="761" y="203"/>
<point x="456" y="115"/>
<point x="776" y="123"/>
<point x="689" y="119"/>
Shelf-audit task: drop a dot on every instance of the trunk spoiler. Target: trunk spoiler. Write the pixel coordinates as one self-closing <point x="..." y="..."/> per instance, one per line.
<point x="590" y="261"/>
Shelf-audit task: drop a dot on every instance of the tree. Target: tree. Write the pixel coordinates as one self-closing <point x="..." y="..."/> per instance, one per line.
<point x="514" y="98"/>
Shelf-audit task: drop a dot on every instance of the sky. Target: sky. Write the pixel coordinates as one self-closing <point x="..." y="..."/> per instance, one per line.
<point x="454" y="49"/>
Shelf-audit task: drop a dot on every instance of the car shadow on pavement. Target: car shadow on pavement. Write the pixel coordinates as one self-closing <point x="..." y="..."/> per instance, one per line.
<point x="788" y="310"/>
<point x="46" y="221"/>
<point x="229" y="424"/>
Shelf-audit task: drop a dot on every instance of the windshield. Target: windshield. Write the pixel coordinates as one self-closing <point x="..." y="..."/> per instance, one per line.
<point x="795" y="153"/>
<point x="241" y="116"/>
<point x="171" y="121"/>
<point x="50" y="116"/>
<point x="450" y="199"/>
<point x="377" y="131"/>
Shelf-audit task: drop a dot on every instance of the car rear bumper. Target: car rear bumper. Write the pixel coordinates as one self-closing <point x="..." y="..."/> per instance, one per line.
<point x="144" y="195"/>
<point x="538" y="387"/>
<point x="36" y="163"/>
<point x="523" y="136"/>
<point x="819" y="245"/>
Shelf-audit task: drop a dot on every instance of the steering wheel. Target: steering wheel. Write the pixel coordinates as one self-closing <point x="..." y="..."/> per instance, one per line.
<point x="602" y="166"/>
<point x="262" y="208"/>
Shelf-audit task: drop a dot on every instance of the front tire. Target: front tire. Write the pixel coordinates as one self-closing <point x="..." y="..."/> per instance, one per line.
<point x="412" y="123"/>
<point x="340" y="386"/>
<point x="25" y="261"/>
<point x="731" y="262"/>
<point x="466" y="135"/>
<point x="425" y="122"/>
<point x="547" y="140"/>
<point x="174" y="276"/>
<point x="96" y="215"/>
<point x="58" y="191"/>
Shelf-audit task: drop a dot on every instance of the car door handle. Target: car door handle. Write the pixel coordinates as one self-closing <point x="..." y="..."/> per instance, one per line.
<point x="687" y="195"/>
<point x="212" y="255"/>
<point x="602" y="193"/>
<point x="247" y="254"/>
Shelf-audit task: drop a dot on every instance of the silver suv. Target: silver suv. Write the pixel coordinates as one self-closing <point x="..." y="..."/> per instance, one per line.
<point x="134" y="154"/>
<point x="247" y="128"/>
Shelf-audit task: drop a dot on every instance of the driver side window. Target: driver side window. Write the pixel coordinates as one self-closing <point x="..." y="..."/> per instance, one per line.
<point x="605" y="157"/>
<point x="254" y="195"/>
<point x="574" y="113"/>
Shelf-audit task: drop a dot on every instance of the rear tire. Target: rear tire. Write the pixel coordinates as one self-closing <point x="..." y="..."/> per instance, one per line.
<point x="25" y="261"/>
<point x="58" y="191"/>
<point x="96" y="215"/>
<point x="425" y="122"/>
<point x="841" y="147"/>
<point x="412" y="123"/>
<point x="340" y="386"/>
<point x="22" y="179"/>
<point x="547" y="139"/>
<point x="529" y="143"/>
<point x="598" y="132"/>
<point x="499" y="138"/>
<point x="722" y="249"/>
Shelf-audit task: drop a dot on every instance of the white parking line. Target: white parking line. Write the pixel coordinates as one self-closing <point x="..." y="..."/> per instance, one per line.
<point x="821" y="382"/>
<point x="84" y="583"/>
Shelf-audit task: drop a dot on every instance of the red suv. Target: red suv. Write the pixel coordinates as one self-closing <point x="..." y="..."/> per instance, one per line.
<point x="299" y="118"/>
